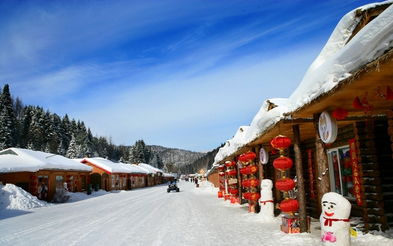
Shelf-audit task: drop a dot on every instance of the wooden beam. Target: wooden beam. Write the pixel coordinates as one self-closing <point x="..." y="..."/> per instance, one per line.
<point x="322" y="166"/>
<point x="301" y="195"/>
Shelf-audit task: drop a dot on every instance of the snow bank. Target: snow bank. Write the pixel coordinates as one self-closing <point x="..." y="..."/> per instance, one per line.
<point x="14" y="197"/>
<point x="79" y="196"/>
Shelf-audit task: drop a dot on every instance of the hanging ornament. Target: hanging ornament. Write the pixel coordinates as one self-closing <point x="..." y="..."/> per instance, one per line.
<point x="289" y="205"/>
<point x="340" y="113"/>
<point x="282" y="163"/>
<point x="357" y="104"/>
<point x="230" y="163"/>
<point x="285" y="184"/>
<point x="281" y="142"/>
<point x="247" y="157"/>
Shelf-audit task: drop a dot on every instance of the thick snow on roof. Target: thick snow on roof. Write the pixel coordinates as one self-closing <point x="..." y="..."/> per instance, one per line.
<point x="107" y="165"/>
<point x="262" y="120"/>
<point x="135" y="168"/>
<point x="24" y="160"/>
<point x="338" y="60"/>
<point x="150" y="168"/>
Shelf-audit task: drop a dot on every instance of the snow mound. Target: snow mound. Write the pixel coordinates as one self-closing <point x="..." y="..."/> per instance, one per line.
<point x="79" y="196"/>
<point x="14" y="197"/>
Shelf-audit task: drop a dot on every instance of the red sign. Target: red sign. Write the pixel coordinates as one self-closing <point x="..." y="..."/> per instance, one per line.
<point x="355" y="172"/>
<point x="311" y="173"/>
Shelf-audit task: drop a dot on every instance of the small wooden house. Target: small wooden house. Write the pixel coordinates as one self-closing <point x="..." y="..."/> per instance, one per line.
<point x="107" y="175"/>
<point x="155" y="174"/>
<point x="42" y="174"/>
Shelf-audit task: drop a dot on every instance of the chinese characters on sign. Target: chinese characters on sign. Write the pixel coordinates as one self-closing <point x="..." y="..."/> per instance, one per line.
<point x="355" y="172"/>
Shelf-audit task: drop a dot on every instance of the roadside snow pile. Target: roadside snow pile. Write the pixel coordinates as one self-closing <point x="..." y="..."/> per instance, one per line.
<point x="14" y="197"/>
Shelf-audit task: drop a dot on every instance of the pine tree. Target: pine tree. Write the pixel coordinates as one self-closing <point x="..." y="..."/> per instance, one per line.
<point x="139" y="153"/>
<point x="73" y="149"/>
<point x="7" y="120"/>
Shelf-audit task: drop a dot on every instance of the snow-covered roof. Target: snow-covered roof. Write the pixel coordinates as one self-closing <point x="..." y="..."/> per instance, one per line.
<point x="135" y="169"/>
<point x="338" y="60"/>
<point x="24" y="160"/>
<point x="107" y="165"/>
<point x="169" y="175"/>
<point x="150" y="168"/>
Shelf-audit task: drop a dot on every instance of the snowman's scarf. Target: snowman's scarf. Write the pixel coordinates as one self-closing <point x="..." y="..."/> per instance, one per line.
<point x="329" y="221"/>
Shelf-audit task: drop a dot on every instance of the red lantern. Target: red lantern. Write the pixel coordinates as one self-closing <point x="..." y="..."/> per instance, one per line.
<point x="281" y="142"/>
<point x="233" y="191"/>
<point x="285" y="184"/>
<point x="253" y="196"/>
<point x="249" y="170"/>
<point x="231" y="172"/>
<point x="230" y="163"/>
<point x="221" y="173"/>
<point x="282" y="163"/>
<point x="340" y="113"/>
<point x="221" y="168"/>
<point x="250" y="183"/>
<point x="219" y="194"/>
<point x="247" y="157"/>
<point x="289" y="205"/>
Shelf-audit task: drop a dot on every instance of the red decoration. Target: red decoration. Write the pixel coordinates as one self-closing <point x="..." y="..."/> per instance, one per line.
<point x="282" y="163"/>
<point x="357" y="104"/>
<point x="221" y="168"/>
<point x="389" y="93"/>
<point x="311" y="173"/>
<point x="355" y="172"/>
<point x="340" y="113"/>
<point x="250" y="183"/>
<point x="221" y="173"/>
<point x="281" y="142"/>
<point x="231" y="172"/>
<point x="249" y="170"/>
<point x="233" y="191"/>
<point x="230" y="163"/>
<point x="253" y="196"/>
<point x="247" y="157"/>
<point x="220" y="195"/>
<point x="289" y="205"/>
<point x="285" y="184"/>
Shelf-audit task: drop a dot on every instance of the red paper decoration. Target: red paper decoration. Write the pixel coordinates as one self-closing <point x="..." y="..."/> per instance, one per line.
<point x="232" y="172"/>
<point x="249" y="170"/>
<point x="289" y="205"/>
<point x="253" y="196"/>
<point x="340" y="113"/>
<point x="282" y="163"/>
<point x="233" y="191"/>
<point x="247" y="157"/>
<point x="221" y="173"/>
<point x="221" y="168"/>
<point x="281" y="142"/>
<point x="250" y="183"/>
<point x="285" y="184"/>
<point x="230" y="163"/>
<point x="389" y="93"/>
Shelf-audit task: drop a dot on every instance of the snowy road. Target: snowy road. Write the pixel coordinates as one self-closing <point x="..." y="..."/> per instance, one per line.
<point x="150" y="216"/>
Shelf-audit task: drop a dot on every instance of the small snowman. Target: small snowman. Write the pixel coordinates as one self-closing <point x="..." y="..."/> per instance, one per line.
<point x="334" y="220"/>
<point x="266" y="200"/>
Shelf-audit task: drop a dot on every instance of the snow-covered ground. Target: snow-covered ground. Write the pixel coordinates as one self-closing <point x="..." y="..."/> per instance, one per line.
<point x="151" y="216"/>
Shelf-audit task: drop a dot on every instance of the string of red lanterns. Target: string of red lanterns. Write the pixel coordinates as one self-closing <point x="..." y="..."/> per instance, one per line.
<point x="284" y="184"/>
<point x="250" y="182"/>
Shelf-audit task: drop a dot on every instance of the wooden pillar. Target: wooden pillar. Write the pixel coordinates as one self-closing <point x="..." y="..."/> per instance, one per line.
<point x="322" y="166"/>
<point x="301" y="196"/>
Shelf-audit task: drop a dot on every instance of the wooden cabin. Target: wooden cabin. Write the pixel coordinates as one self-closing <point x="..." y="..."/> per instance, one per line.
<point x="34" y="170"/>
<point x="155" y="176"/>
<point x="108" y="175"/>
<point x="358" y="109"/>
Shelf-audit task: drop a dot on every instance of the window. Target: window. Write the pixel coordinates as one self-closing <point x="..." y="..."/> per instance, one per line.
<point x="340" y="171"/>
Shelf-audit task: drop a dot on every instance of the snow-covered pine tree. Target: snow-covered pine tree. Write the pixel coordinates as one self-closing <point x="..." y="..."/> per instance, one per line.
<point x="7" y="120"/>
<point x="139" y="153"/>
<point x="73" y="149"/>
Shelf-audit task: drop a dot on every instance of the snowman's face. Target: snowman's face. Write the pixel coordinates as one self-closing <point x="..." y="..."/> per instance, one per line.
<point x="335" y="205"/>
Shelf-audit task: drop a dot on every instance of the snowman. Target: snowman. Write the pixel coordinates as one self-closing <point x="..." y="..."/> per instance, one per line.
<point x="334" y="220"/>
<point x="266" y="200"/>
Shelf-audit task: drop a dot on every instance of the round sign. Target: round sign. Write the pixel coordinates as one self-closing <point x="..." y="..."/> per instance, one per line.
<point x="327" y="127"/>
<point x="263" y="156"/>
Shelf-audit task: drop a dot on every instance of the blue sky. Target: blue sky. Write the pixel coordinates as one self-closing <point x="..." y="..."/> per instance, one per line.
<point x="177" y="73"/>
